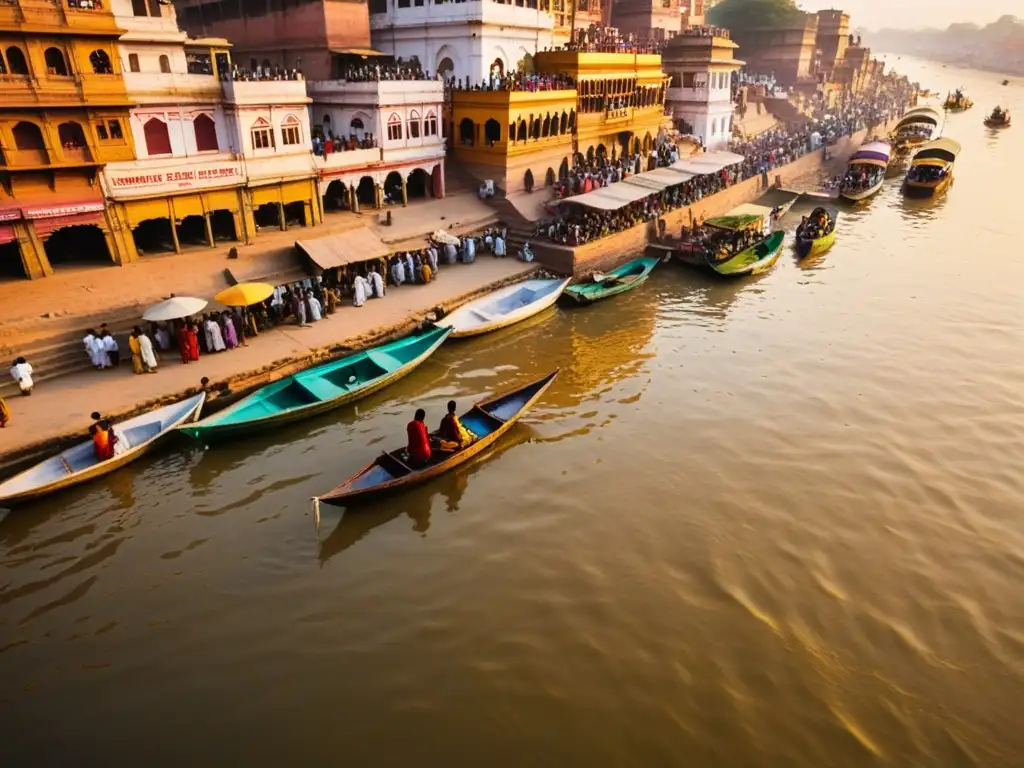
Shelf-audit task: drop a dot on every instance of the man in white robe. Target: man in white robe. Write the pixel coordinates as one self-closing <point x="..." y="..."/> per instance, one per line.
<point x="432" y="259"/>
<point x="377" y="283"/>
<point x="87" y="343"/>
<point x="398" y="271"/>
<point x="315" y="308"/>
<point x="148" y="356"/>
<point x="449" y="253"/>
<point x="360" y="288"/>
<point x="499" y="245"/>
<point x="98" y="353"/>
<point x="214" y="338"/>
<point x="21" y="372"/>
<point x="410" y="267"/>
<point x="111" y="348"/>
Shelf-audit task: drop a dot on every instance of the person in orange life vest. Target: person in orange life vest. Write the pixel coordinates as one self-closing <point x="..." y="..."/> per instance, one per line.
<point x="419" y="440"/>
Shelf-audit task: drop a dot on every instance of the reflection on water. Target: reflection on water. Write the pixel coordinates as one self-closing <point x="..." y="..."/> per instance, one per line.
<point x="770" y="521"/>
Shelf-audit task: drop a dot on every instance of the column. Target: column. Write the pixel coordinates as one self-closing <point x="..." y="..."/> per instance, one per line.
<point x="308" y="214"/>
<point x="405" y="194"/>
<point x="378" y="196"/>
<point x="33" y="255"/>
<point x="174" y="225"/>
<point x="353" y="200"/>
<point x="209" y="230"/>
<point x="280" y="217"/>
<point x="115" y="257"/>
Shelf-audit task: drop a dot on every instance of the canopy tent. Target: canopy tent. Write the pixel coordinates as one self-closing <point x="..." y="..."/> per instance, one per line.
<point x="945" y="150"/>
<point x="612" y="197"/>
<point x="872" y="153"/>
<point x="925" y="110"/>
<point x="736" y="222"/>
<point x="346" y="248"/>
<point x="666" y="177"/>
<point x="920" y="119"/>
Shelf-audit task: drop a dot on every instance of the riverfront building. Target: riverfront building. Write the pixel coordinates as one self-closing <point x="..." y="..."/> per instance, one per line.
<point x="700" y="63"/>
<point x="522" y="139"/>
<point x="63" y="116"/>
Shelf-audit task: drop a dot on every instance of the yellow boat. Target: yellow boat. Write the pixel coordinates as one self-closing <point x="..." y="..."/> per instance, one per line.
<point x="931" y="172"/>
<point x="824" y="218"/>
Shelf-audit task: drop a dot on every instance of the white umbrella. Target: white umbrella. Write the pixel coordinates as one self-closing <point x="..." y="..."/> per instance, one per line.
<point x="444" y="238"/>
<point x="173" y="308"/>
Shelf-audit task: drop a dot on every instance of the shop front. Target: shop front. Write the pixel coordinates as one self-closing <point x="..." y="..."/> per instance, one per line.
<point x="282" y="204"/>
<point x="167" y="209"/>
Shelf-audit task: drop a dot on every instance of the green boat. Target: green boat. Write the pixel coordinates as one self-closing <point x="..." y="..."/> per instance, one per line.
<point x="754" y="260"/>
<point x="320" y="389"/>
<point x="619" y="280"/>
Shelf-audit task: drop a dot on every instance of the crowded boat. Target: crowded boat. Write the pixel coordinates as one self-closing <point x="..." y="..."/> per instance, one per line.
<point x="957" y="101"/>
<point x="1000" y="118"/>
<point x="816" y="233"/>
<point x="918" y="126"/>
<point x="931" y="172"/>
<point x="866" y="172"/>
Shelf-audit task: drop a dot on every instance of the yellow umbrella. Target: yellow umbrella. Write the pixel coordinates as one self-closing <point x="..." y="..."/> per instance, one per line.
<point x="244" y="294"/>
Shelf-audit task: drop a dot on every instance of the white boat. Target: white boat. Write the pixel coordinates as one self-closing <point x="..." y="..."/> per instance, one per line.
<point x="866" y="173"/>
<point x="918" y="126"/>
<point x="79" y="463"/>
<point x="504" y="307"/>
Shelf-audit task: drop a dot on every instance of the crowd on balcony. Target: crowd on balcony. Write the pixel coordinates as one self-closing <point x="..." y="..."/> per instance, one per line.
<point x="383" y="69"/>
<point x="513" y="81"/>
<point x="322" y="147"/>
<point x="598" y="39"/>
<point x="86" y="5"/>
<point x="588" y="175"/>
<point x="244" y="74"/>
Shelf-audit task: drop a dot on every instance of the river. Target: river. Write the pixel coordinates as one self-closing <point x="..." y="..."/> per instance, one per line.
<point x="772" y="522"/>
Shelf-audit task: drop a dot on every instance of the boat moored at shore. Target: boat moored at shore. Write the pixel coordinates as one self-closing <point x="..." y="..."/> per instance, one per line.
<point x="931" y="172"/>
<point x="918" y="126"/>
<point x="619" y="280"/>
<point x="866" y="172"/>
<point x="504" y="307"/>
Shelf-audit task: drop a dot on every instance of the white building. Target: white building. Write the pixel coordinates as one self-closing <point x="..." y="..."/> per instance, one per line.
<point x="216" y="159"/>
<point x="402" y="117"/>
<point x="700" y="62"/>
<point x="463" y="39"/>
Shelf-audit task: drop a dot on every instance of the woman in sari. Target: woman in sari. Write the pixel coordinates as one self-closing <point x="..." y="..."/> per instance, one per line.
<point x="227" y="325"/>
<point x="183" y="344"/>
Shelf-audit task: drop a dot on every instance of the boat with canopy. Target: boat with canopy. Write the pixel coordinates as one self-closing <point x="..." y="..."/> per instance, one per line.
<point x="79" y="463"/>
<point x="866" y="172"/>
<point x="488" y="420"/>
<point x="817" y="232"/>
<point x="320" y="389"/>
<point x="504" y="307"/>
<point x="931" y="172"/>
<point x="918" y="126"/>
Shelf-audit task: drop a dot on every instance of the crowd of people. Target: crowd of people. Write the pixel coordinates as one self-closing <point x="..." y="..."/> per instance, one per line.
<point x="513" y="81"/>
<point x="588" y="175"/>
<point x="383" y="69"/>
<point x="322" y="147"/>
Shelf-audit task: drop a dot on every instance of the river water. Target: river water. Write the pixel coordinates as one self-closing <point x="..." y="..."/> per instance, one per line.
<point x="771" y="522"/>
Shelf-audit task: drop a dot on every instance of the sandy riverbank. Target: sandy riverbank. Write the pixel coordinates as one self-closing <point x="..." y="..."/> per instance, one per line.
<point x="58" y="411"/>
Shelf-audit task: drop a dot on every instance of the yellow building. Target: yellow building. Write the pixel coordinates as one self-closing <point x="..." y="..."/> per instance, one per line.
<point x="63" y="115"/>
<point x="524" y="139"/>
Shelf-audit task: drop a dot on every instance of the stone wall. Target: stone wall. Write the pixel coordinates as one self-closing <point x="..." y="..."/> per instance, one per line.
<point x="609" y="252"/>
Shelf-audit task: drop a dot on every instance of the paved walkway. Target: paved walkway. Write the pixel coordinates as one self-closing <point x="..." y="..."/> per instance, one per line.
<point x="63" y="405"/>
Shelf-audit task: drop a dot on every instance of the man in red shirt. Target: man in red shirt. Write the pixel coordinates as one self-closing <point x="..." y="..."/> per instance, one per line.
<point x="419" y="441"/>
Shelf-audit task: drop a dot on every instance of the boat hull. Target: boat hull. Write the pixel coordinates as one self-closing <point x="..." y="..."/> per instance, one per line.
<point x="347" y="493"/>
<point x="213" y="431"/>
<point x="808" y="248"/>
<point x="773" y="249"/>
<point x="190" y="412"/>
<point x="856" y="197"/>
<point x="462" y="330"/>
<point x="627" y="277"/>
<point x="919" y="189"/>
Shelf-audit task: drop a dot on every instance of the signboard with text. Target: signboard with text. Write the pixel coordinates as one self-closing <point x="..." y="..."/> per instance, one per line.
<point x="149" y="180"/>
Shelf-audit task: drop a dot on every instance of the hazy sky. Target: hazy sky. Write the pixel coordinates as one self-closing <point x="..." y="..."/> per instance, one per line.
<point x="874" y="14"/>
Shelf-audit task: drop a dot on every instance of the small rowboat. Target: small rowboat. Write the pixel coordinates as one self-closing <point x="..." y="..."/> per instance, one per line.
<point x="487" y="419"/>
<point x="619" y="280"/>
<point x="754" y="260"/>
<point x="320" y="389"/>
<point x="815" y="246"/>
<point x="504" y="307"/>
<point x="79" y="464"/>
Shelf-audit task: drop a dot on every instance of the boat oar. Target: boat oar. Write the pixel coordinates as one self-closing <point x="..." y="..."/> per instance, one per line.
<point x="316" y="516"/>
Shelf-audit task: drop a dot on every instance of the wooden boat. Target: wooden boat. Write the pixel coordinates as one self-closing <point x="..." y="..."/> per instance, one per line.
<point x="504" y="307"/>
<point x="320" y="389"/>
<point x="957" y="102"/>
<point x="918" y="126"/>
<point x="619" y="280"/>
<point x="79" y="464"/>
<point x="488" y="420"/>
<point x="755" y="260"/>
<point x="866" y="172"/>
<point x="808" y="245"/>
<point x="1000" y="118"/>
<point x="931" y="173"/>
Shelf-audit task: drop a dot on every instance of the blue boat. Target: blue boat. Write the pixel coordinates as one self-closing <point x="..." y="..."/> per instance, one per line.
<point x="320" y="389"/>
<point x="619" y="280"/>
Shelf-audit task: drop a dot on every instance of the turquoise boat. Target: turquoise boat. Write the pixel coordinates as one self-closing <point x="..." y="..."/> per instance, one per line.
<point x="619" y="280"/>
<point x="320" y="389"/>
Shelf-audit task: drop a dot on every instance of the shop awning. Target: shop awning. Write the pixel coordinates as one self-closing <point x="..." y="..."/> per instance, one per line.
<point x="612" y="197"/>
<point x="349" y="247"/>
<point x="364" y="52"/>
<point x="709" y="162"/>
<point x="662" y="177"/>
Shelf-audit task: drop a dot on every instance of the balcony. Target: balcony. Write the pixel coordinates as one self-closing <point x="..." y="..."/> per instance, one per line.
<point x="386" y="92"/>
<point x="157" y="86"/>
<point x="261" y="92"/>
<point x="57" y="16"/>
<point x="355" y="158"/>
<point x="471" y="13"/>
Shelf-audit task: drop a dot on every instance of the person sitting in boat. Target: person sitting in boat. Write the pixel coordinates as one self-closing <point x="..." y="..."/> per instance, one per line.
<point x="101" y="444"/>
<point x="451" y="432"/>
<point x="419" y="440"/>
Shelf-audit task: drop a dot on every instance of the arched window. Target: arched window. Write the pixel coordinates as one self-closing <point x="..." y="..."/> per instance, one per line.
<point x="100" y="62"/>
<point x="467" y="131"/>
<point x="565" y="123"/>
<point x="262" y="135"/>
<point x="446" y="68"/>
<point x="492" y="132"/>
<point x="165" y="64"/>
<point x="394" y="127"/>
<point x="56" y="64"/>
<point x="572" y="120"/>
<point x="356" y="125"/>
<point x="3" y="65"/>
<point x="545" y="128"/>
<point x="291" y="131"/>
<point x="521" y="132"/>
<point x="28" y="136"/>
<point x="133" y="62"/>
<point x="158" y="140"/>
<point x="535" y="129"/>
<point x="71" y="135"/>
<point x="430" y="125"/>
<point x="414" y="124"/>
<point x="498" y="67"/>
<point x="16" y="61"/>
<point x="206" y="133"/>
